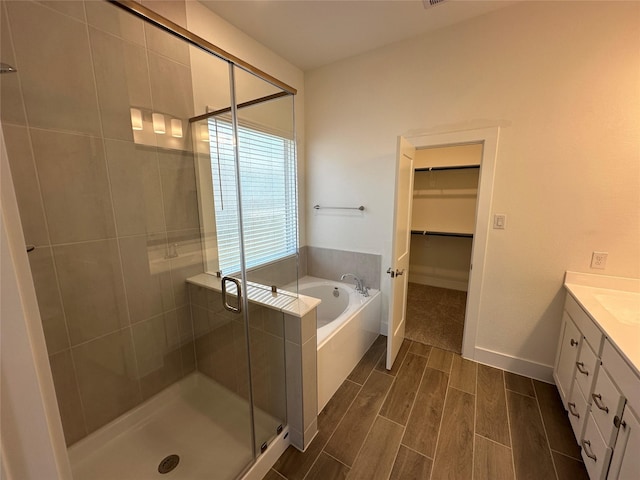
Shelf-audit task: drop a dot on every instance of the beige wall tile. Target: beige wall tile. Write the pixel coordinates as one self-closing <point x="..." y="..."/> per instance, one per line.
<point x="147" y="276"/>
<point x="107" y="377"/>
<point x="51" y="312"/>
<point x="74" y="184"/>
<point x="73" y="9"/>
<point x="157" y="353"/>
<point x="135" y="187"/>
<point x="92" y="289"/>
<point x="171" y="87"/>
<point x="187" y="264"/>
<point x="109" y="18"/>
<point x="25" y="181"/>
<point x="173" y="10"/>
<point x="122" y="80"/>
<point x="52" y="51"/>
<point x="12" y="110"/>
<point x="68" y="395"/>
<point x="180" y="198"/>
<point x="167" y="45"/>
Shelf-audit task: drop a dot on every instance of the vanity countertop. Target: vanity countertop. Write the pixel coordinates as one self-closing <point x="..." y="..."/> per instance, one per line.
<point x="613" y="303"/>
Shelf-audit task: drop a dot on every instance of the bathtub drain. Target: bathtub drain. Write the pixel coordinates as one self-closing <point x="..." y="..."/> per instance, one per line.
<point x="168" y="463"/>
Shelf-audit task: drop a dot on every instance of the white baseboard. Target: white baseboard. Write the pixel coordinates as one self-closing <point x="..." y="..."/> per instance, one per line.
<point x="517" y="365"/>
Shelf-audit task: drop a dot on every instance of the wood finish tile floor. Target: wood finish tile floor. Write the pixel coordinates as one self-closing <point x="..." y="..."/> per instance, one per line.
<point x="437" y="416"/>
<point x="435" y="316"/>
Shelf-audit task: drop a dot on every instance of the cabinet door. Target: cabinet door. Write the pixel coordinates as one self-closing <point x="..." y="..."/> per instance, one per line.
<point x="569" y="348"/>
<point x="625" y="463"/>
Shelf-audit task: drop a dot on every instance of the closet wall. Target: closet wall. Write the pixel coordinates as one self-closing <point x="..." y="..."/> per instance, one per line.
<point x="443" y="216"/>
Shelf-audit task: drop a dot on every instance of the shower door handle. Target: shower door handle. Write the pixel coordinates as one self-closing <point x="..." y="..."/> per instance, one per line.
<point x="226" y="304"/>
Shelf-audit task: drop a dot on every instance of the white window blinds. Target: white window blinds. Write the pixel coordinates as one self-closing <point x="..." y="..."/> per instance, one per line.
<point x="268" y="186"/>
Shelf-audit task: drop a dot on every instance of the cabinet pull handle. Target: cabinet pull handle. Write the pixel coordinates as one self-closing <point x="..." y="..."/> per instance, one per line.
<point x="586" y="446"/>
<point x="581" y="369"/>
<point x="597" y="399"/>
<point x="573" y="342"/>
<point x="572" y="407"/>
<point x="617" y="422"/>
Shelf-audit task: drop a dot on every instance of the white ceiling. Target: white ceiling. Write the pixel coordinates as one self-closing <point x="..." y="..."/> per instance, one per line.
<point x="313" y="33"/>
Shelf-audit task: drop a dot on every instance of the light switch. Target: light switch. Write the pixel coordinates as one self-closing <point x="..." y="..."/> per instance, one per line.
<point x="499" y="221"/>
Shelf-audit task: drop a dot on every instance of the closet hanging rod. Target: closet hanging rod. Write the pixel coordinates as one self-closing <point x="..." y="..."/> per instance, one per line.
<point x="452" y="167"/>
<point x="441" y="234"/>
<point x="361" y="208"/>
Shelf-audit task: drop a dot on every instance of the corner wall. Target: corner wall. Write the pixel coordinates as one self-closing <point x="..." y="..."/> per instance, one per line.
<point x="561" y="80"/>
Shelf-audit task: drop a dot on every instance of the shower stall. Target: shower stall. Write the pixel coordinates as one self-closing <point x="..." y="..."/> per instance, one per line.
<point x="155" y="177"/>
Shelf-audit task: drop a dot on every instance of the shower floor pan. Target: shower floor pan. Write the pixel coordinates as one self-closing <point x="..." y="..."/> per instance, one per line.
<point x="197" y="419"/>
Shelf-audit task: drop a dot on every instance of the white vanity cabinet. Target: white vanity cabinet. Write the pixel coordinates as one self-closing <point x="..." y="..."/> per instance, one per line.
<point x="599" y="383"/>
<point x="625" y="464"/>
<point x="577" y="363"/>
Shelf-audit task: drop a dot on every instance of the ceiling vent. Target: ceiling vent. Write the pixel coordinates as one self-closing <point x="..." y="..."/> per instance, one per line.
<point x="431" y="3"/>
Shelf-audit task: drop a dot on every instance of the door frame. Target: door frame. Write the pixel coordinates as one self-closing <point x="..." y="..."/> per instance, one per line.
<point x="489" y="138"/>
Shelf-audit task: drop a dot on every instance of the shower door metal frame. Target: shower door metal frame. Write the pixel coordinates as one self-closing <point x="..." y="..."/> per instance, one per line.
<point x="197" y="41"/>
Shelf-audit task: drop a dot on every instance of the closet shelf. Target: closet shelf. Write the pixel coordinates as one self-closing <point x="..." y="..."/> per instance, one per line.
<point x="442" y="234"/>
<point x="449" y="167"/>
<point x="451" y="192"/>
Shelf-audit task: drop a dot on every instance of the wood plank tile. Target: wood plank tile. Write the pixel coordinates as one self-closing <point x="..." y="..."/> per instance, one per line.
<point x="399" y="401"/>
<point x="335" y="409"/>
<point x="352" y="430"/>
<point x="531" y="454"/>
<point x="410" y="465"/>
<point x="327" y="468"/>
<point x="382" y="363"/>
<point x="420" y="349"/>
<point x="421" y="433"/>
<point x="492" y="461"/>
<point x="518" y="383"/>
<point x="556" y="422"/>
<point x="368" y="362"/>
<point x="569" y="468"/>
<point x="491" y="406"/>
<point x="463" y="374"/>
<point x="294" y="464"/>
<point x="378" y="453"/>
<point x="273" y="475"/>
<point x="440" y="359"/>
<point x="454" y="454"/>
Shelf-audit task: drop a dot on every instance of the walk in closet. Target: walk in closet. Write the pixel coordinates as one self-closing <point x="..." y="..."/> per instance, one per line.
<point x="442" y="228"/>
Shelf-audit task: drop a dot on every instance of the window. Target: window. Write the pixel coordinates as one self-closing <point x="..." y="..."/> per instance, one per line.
<point x="267" y="166"/>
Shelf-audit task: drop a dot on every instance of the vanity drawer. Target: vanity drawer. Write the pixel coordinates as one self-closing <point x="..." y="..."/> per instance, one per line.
<point x="586" y="369"/>
<point x="587" y="326"/>
<point x="578" y="409"/>
<point x="595" y="452"/>
<point x="606" y="403"/>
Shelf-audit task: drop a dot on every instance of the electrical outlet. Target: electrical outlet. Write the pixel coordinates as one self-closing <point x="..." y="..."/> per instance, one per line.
<point x="599" y="260"/>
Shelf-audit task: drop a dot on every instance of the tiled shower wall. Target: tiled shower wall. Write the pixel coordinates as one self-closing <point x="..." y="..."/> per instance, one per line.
<point x="332" y="264"/>
<point x="101" y="210"/>
<point x="221" y="349"/>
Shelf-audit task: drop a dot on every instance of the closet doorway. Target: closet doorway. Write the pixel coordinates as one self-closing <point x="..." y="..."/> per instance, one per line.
<point x="445" y="192"/>
<point x="471" y="223"/>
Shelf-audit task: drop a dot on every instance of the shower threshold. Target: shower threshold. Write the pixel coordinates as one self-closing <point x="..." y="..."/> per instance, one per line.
<point x="203" y="423"/>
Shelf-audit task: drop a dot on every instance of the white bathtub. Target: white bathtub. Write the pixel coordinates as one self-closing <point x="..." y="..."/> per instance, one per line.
<point x="347" y="326"/>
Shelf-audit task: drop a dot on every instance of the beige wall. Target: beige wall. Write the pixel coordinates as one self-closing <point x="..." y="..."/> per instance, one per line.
<point x="561" y="80"/>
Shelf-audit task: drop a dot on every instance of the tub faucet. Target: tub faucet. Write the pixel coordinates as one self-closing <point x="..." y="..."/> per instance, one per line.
<point x="360" y="288"/>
